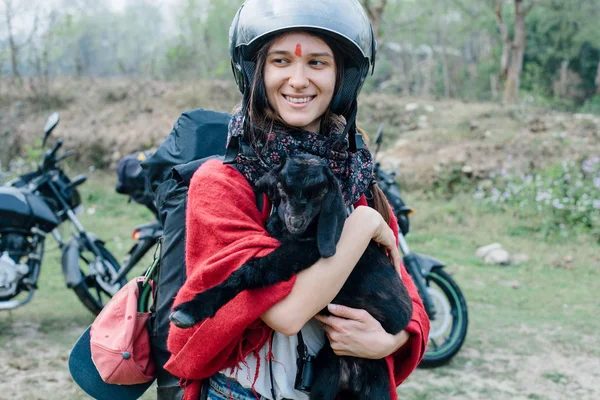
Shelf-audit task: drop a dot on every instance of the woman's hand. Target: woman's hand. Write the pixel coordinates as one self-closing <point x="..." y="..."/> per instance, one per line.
<point x="354" y="332"/>
<point x="384" y="235"/>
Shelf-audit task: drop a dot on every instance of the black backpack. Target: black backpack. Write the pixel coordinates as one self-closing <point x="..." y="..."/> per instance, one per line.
<point x="131" y="179"/>
<point x="197" y="136"/>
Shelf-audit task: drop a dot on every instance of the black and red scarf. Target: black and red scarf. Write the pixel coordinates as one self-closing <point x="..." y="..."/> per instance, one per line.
<point x="354" y="170"/>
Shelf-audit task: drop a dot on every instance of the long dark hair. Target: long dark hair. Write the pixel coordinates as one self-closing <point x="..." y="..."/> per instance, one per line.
<point x="259" y="114"/>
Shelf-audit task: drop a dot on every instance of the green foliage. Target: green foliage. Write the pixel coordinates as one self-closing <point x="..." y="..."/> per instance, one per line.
<point x="561" y="200"/>
<point x="592" y="105"/>
<point x="190" y="41"/>
<point x="451" y="180"/>
<point x="557" y="32"/>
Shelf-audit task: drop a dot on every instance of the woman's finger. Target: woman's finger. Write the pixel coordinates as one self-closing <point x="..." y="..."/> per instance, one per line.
<point x="347" y="312"/>
<point x="396" y="260"/>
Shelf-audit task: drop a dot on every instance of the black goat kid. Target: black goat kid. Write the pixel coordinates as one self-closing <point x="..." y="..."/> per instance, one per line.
<point x="308" y="223"/>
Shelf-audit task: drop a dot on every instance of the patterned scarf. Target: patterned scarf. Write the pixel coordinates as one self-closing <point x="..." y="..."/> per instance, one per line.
<point x="354" y="171"/>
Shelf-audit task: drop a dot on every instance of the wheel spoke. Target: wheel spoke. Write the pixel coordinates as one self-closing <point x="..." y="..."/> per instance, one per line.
<point x="99" y="293"/>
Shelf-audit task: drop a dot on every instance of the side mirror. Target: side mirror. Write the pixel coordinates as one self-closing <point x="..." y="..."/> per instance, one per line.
<point x="378" y="141"/>
<point x="51" y="123"/>
<point x="379" y="136"/>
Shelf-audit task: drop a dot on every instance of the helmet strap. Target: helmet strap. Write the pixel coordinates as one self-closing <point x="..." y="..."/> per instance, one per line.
<point x="355" y="139"/>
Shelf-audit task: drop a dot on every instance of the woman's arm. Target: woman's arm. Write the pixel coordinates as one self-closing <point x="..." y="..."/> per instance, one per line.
<point x="318" y="285"/>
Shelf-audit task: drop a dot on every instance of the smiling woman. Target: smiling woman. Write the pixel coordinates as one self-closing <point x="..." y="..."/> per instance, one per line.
<point x="299" y="66"/>
<point x="300" y="88"/>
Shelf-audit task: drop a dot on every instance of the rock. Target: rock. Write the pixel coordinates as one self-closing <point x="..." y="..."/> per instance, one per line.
<point x="519" y="258"/>
<point x="473" y="125"/>
<point x="497" y="256"/>
<point x="566" y="262"/>
<point x="429" y="108"/>
<point x="115" y="156"/>
<point x="537" y="124"/>
<point x="467" y="170"/>
<point x="486" y="184"/>
<point x="482" y="251"/>
<point x="411" y="107"/>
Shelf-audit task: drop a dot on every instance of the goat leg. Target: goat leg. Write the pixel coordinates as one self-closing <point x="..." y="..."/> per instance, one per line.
<point x="278" y="266"/>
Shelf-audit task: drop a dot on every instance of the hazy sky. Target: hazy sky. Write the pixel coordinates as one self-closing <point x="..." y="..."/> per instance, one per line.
<point x="24" y="9"/>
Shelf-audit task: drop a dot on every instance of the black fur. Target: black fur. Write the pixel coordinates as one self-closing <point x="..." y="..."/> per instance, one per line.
<point x="308" y="223"/>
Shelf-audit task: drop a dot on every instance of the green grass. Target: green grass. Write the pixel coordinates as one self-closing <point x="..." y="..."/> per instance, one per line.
<point x="55" y="316"/>
<point x="552" y="314"/>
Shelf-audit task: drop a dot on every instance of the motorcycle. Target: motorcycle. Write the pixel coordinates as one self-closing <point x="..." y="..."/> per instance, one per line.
<point x="442" y="298"/>
<point x="35" y="205"/>
<point x="131" y="181"/>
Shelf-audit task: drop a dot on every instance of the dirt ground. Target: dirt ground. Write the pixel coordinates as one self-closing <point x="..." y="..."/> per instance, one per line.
<point x="104" y="120"/>
<point x="31" y="370"/>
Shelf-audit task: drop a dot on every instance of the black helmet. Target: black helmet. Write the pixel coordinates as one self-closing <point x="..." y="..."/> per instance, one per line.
<point x="344" y="20"/>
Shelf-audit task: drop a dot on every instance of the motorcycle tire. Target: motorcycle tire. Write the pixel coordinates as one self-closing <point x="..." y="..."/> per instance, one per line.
<point x="90" y="291"/>
<point x="449" y="326"/>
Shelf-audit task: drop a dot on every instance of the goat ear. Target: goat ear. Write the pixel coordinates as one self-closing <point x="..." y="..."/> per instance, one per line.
<point x="331" y="219"/>
<point x="268" y="184"/>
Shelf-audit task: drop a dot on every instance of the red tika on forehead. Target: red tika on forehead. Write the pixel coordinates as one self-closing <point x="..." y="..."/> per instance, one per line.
<point x="298" y="51"/>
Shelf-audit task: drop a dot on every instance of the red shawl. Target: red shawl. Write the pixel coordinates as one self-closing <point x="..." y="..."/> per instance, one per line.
<point x="224" y="230"/>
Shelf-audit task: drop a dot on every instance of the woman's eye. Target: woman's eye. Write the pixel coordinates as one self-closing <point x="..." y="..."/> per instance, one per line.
<point x="280" y="61"/>
<point x="317" y="63"/>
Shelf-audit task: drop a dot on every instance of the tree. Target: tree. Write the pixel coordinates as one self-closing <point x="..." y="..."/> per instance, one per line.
<point x="513" y="49"/>
<point x="375" y="10"/>
<point x="11" y="12"/>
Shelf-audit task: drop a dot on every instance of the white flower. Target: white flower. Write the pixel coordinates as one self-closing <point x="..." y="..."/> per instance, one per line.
<point x="541" y="196"/>
<point x="557" y="204"/>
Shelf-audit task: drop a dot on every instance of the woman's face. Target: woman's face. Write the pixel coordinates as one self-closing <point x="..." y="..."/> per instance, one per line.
<point x="299" y="76"/>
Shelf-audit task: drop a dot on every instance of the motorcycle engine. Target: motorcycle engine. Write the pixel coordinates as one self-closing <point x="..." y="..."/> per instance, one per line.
<point x="10" y="275"/>
<point x="12" y="247"/>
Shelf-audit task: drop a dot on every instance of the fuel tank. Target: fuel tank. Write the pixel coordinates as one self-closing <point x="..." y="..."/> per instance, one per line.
<point x="23" y="210"/>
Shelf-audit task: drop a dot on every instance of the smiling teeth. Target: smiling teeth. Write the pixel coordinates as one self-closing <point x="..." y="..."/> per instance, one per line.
<point x="298" y="100"/>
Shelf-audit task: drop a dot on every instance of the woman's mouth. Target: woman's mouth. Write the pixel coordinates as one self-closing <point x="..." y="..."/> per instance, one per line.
<point x="299" y="102"/>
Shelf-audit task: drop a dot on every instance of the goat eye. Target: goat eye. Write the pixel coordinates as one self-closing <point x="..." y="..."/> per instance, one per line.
<point x="320" y="193"/>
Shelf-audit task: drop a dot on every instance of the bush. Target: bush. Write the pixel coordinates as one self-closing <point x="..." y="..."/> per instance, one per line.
<point x="592" y="105"/>
<point x="563" y="199"/>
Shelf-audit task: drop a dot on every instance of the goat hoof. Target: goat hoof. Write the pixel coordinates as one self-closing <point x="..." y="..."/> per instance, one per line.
<point x="181" y="319"/>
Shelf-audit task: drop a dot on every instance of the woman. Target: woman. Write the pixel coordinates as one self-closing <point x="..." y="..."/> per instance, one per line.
<point x="299" y="66"/>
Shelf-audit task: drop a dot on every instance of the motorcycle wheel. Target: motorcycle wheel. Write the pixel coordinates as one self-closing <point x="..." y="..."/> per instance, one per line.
<point x="94" y="292"/>
<point x="449" y="326"/>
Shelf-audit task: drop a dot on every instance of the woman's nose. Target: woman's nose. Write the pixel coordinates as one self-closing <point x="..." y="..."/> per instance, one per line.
<point x="298" y="79"/>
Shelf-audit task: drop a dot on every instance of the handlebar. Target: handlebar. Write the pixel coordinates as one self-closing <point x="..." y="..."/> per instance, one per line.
<point x="49" y="159"/>
<point x="78" y="180"/>
<point x="57" y="146"/>
<point x="65" y="155"/>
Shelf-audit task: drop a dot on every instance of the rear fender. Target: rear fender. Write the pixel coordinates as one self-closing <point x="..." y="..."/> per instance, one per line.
<point x="428" y="263"/>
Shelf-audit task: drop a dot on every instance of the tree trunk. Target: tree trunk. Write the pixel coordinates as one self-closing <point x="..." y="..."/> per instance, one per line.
<point x="427" y="68"/>
<point x="560" y="89"/>
<point x="505" y="39"/>
<point x="598" y="79"/>
<point x="375" y="9"/>
<point x="441" y="35"/>
<point x="517" y="51"/>
<point x="11" y="42"/>
<point x="494" y="86"/>
<point x="404" y="75"/>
